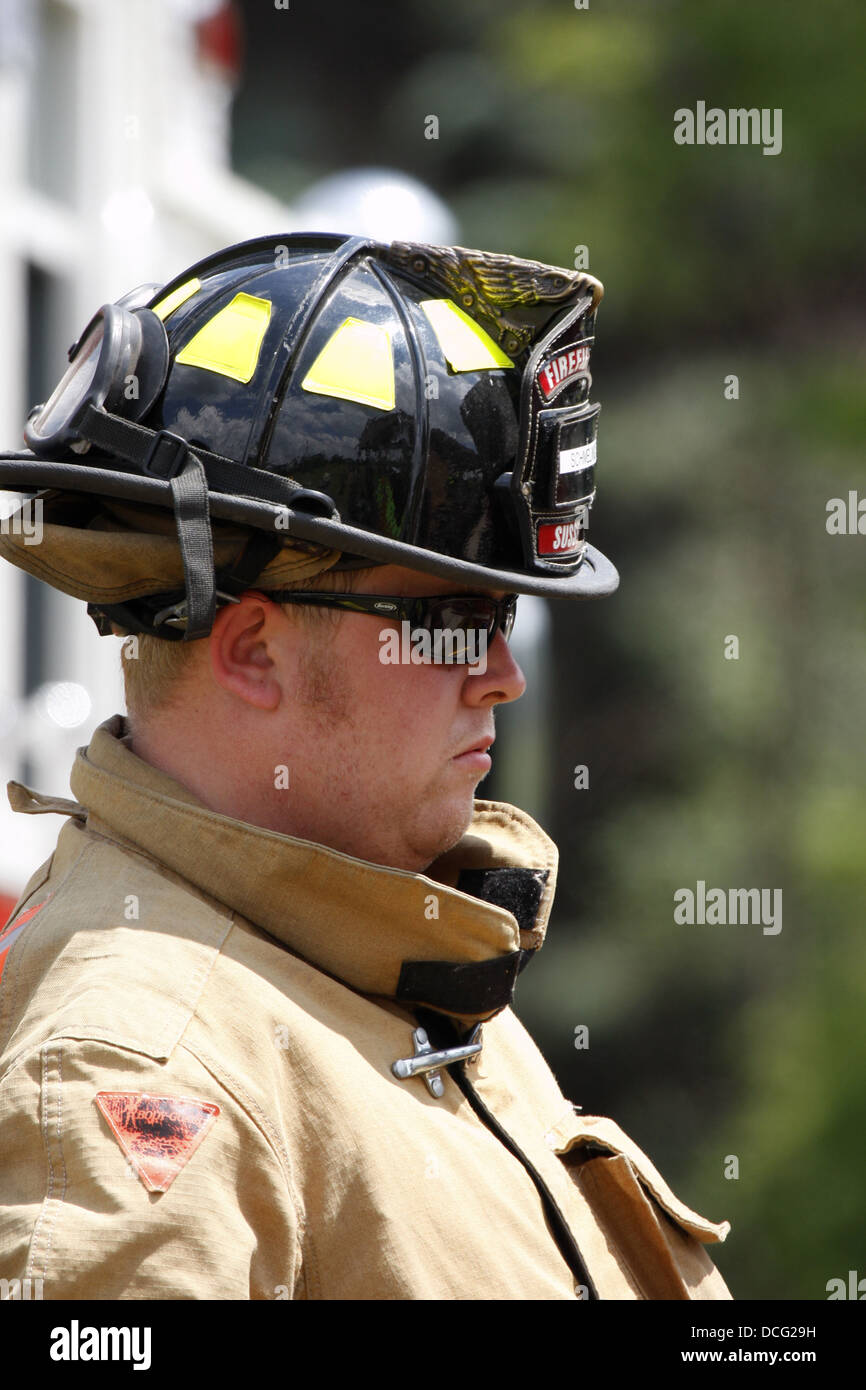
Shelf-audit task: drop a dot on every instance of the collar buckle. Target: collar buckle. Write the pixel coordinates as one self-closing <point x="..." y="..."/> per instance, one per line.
<point x="428" y="1060"/>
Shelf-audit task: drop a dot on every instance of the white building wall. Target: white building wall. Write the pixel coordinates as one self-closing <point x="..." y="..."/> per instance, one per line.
<point x="113" y="171"/>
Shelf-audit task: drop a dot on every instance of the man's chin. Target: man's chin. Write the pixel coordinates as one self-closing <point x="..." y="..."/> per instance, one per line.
<point x="436" y="839"/>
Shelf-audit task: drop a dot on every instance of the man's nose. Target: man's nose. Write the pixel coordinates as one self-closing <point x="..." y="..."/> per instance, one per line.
<point x="503" y="680"/>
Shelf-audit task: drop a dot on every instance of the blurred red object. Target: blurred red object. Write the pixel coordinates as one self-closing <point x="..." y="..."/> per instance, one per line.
<point x="220" y="40"/>
<point x="6" y="906"/>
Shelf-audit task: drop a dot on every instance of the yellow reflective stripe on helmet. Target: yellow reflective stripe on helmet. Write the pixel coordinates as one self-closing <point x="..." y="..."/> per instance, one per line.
<point x="176" y="298"/>
<point x="466" y="346"/>
<point x="356" y="365"/>
<point x="229" y="342"/>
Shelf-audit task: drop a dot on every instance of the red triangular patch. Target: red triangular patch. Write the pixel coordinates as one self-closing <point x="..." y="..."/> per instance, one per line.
<point x="159" y="1134"/>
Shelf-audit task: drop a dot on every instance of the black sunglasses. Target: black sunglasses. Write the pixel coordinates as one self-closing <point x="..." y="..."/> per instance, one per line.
<point x="446" y="612"/>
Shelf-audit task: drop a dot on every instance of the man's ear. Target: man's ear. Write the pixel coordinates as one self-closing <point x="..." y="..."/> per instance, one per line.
<point x="246" y="646"/>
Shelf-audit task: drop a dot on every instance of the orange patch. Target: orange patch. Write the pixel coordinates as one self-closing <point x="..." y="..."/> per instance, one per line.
<point x="9" y="934"/>
<point x="158" y="1134"/>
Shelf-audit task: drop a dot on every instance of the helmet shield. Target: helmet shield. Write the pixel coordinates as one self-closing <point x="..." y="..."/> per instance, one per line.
<point x="553" y="484"/>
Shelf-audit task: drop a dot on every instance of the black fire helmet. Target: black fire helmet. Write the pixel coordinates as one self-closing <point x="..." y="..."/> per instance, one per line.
<point x="425" y="406"/>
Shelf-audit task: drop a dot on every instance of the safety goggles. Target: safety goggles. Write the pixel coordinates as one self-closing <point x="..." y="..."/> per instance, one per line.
<point x="456" y="613"/>
<point x="119" y="363"/>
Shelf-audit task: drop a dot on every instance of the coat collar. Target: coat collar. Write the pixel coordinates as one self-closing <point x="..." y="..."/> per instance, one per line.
<point x="451" y="939"/>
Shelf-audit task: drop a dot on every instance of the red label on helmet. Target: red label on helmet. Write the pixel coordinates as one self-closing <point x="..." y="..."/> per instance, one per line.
<point x="558" y="537"/>
<point x="558" y="371"/>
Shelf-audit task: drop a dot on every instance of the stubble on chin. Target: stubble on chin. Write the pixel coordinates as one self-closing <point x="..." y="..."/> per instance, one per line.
<point x="438" y="831"/>
<point x="413" y="832"/>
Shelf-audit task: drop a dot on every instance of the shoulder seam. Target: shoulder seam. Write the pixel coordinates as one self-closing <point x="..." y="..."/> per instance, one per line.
<point x="232" y="1086"/>
<point x="268" y="1132"/>
<point x="48" y="1056"/>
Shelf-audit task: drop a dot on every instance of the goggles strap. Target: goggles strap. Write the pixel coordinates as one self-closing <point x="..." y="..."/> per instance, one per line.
<point x="159" y="454"/>
<point x="189" y="477"/>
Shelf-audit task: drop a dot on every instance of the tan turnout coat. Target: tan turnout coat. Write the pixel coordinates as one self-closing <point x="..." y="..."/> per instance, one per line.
<point x="198" y="1021"/>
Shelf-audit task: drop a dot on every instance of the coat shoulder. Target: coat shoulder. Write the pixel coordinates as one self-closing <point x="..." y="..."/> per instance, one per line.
<point x="107" y="945"/>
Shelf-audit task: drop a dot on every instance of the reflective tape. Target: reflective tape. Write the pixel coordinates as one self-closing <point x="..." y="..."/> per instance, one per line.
<point x="466" y="346"/>
<point x="176" y="298"/>
<point x="12" y="931"/>
<point x="229" y="343"/>
<point x="356" y="364"/>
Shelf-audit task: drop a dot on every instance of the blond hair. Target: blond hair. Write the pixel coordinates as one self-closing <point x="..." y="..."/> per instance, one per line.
<point x="156" y="671"/>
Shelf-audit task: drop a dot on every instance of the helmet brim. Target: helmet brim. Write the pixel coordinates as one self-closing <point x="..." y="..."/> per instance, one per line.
<point x="595" y="577"/>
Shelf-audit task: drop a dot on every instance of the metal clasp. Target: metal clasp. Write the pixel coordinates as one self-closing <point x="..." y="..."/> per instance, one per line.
<point x="176" y="614"/>
<point x="427" y="1060"/>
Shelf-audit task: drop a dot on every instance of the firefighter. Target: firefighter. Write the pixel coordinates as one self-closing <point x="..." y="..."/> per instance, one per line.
<point x="255" y="1011"/>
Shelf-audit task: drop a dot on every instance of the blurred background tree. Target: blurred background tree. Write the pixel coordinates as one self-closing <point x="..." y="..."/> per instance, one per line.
<point x="555" y="132"/>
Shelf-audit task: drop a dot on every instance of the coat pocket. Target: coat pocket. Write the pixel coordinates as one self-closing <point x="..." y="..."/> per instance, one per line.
<point x="656" y="1239"/>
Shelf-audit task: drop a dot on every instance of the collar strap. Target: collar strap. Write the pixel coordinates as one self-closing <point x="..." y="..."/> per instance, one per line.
<point x="479" y="988"/>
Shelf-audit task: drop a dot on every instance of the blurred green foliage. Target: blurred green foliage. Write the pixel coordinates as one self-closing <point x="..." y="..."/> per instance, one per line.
<point x="556" y="130"/>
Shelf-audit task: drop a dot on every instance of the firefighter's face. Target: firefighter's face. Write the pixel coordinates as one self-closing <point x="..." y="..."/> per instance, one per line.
<point x="383" y="756"/>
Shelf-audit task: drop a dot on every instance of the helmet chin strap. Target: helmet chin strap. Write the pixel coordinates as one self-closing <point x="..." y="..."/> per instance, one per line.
<point x="192" y="519"/>
<point x="190" y="472"/>
<point x="168" y="615"/>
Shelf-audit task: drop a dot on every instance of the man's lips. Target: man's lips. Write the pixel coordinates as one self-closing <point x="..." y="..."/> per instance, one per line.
<point x="477" y="753"/>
